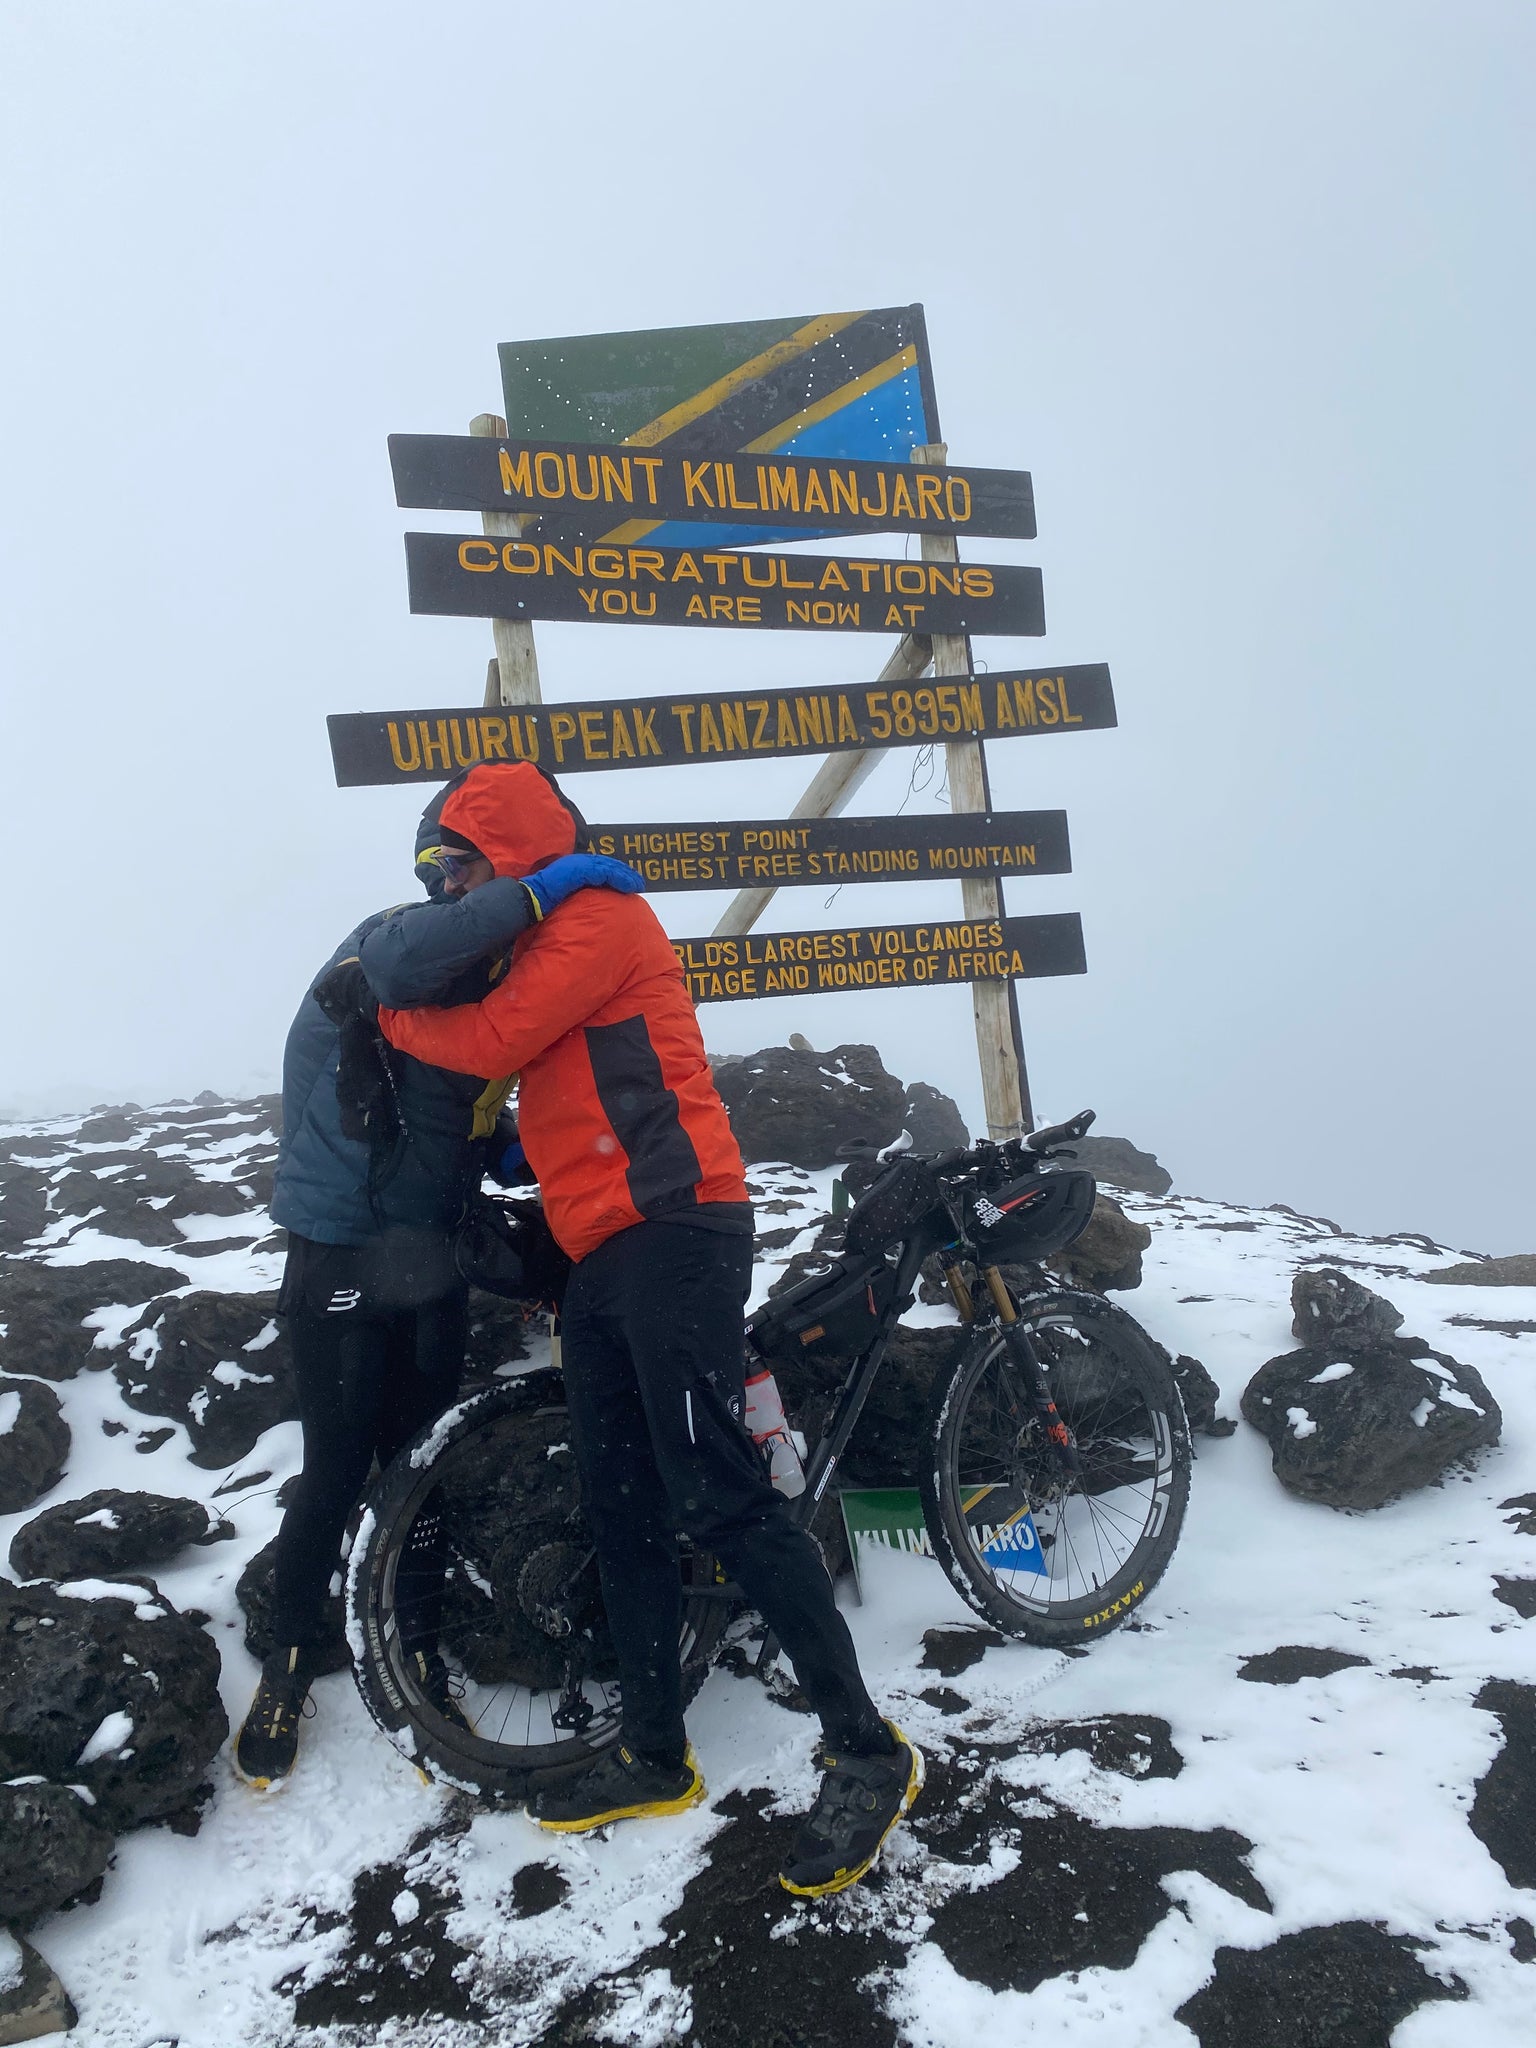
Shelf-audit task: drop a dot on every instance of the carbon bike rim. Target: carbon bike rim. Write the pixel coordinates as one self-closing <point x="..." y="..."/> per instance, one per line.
<point x="456" y="1550"/>
<point x="1051" y="1545"/>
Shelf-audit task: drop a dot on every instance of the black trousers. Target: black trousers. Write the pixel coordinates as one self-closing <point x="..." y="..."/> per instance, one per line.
<point x="368" y="1378"/>
<point x="651" y="1337"/>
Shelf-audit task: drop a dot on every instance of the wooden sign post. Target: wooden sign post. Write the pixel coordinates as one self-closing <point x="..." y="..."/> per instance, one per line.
<point x="654" y="478"/>
<point x="1004" y="1088"/>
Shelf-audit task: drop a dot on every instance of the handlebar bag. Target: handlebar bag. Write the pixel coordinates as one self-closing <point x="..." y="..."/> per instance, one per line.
<point x="1029" y="1218"/>
<point x="903" y="1201"/>
<point x="831" y="1315"/>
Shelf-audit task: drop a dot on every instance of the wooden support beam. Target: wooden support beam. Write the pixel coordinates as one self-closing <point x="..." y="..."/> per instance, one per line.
<point x="513" y="676"/>
<point x="830" y="787"/>
<point x="1001" y="1078"/>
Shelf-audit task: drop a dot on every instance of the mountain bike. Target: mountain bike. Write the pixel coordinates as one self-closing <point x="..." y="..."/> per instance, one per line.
<point x="1053" y="1487"/>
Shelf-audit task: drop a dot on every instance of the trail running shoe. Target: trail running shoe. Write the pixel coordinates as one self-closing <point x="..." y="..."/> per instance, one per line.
<point x="619" y="1786"/>
<point x="860" y="1801"/>
<point x="268" y="1742"/>
<point x="440" y="1688"/>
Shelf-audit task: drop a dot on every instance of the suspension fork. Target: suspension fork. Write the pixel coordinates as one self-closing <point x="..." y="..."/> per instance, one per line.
<point x="1027" y="1359"/>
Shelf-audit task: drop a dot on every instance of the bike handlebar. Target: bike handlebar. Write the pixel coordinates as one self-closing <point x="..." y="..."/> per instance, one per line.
<point x="966" y="1157"/>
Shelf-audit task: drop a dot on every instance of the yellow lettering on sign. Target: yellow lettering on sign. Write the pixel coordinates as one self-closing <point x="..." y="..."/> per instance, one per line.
<point x="405" y="766"/>
<point x="783" y="490"/>
<point x="696" y="484"/>
<point x="562" y="730"/>
<point x="493" y="738"/>
<point x="480" y="566"/>
<point x="902" y="506"/>
<point x="515" y="477"/>
<point x="696" y="608"/>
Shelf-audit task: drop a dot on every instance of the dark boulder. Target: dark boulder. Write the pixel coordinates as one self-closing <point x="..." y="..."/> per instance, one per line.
<point x="110" y="1531"/>
<point x="1518" y="1270"/>
<point x="932" y="1120"/>
<point x="51" y="1847"/>
<point x="43" y="1310"/>
<point x="1117" y="1163"/>
<point x="1108" y="1254"/>
<point x="1354" y="1430"/>
<point x="254" y="1591"/>
<point x="799" y="1106"/>
<point x="32" y="2000"/>
<point x="1200" y="1394"/>
<point x="1503" y="1815"/>
<point x="220" y="1363"/>
<point x="34" y="1443"/>
<point x="120" y="1695"/>
<point x="1330" y="1309"/>
<point x="23" y="1203"/>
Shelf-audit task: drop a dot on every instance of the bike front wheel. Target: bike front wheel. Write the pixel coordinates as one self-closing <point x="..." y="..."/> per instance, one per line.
<point x="1041" y="1554"/>
<point x="473" y="1549"/>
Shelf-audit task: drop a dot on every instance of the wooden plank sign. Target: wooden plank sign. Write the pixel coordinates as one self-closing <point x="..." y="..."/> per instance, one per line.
<point x="473" y="576"/>
<point x="638" y="732"/>
<point x="781" y="852"/>
<point x="590" y="487"/>
<point x="881" y="956"/>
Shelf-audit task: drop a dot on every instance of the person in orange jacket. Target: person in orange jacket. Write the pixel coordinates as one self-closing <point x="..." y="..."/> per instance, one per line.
<point x="643" y="1188"/>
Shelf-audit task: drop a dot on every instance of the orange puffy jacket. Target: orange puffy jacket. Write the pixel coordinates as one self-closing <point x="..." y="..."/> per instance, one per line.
<point x="617" y="1108"/>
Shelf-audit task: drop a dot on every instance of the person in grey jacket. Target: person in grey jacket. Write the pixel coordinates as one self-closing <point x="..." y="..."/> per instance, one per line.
<point x="379" y="1156"/>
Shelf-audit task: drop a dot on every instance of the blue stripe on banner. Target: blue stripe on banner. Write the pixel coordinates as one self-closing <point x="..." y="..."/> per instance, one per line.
<point x="1015" y="1548"/>
<point x="883" y="425"/>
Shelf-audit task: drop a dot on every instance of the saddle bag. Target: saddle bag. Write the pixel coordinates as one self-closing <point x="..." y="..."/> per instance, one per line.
<point x="831" y="1315"/>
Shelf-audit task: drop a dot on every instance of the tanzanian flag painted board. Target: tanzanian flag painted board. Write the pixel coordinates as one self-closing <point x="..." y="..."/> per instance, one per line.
<point x="675" y="730"/>
<point x="893" y="956"/>
<point x="887" y="1517"/>
<point x="857" y="384"/>
<point x="575" y="480"/>
<point x="778" y="853"/>
<point x="470" y="575"/>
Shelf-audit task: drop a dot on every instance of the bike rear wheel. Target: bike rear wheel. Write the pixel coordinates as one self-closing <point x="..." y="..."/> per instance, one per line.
<point x="473" y="1546"/>
<point x="1053" y="1558"/>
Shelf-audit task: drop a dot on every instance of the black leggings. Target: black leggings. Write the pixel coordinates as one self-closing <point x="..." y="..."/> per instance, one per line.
<point x="368" y="1379"/>
<point x="651" y="1338"/>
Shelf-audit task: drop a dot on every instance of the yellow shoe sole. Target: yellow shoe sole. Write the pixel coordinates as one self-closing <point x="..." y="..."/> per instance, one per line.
<point x="651" y="1809"/>
<point x="842" y="1879"/>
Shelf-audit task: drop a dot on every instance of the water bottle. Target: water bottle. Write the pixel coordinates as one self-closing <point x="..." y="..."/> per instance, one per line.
<point x="765" y="1418"/>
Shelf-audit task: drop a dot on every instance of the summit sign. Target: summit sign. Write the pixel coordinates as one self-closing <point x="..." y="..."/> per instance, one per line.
<point x="479" y="576"/>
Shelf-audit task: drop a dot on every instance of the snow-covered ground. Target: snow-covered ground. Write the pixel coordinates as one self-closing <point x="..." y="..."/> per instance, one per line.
<point x="1068" y="1878"/>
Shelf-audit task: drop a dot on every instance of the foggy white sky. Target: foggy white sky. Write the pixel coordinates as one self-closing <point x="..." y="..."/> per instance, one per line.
<point x="1247" y="288"/>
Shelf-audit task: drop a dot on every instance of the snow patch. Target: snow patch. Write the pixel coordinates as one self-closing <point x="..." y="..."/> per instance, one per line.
<point x="10" y="1411"/>
<point x="1330" y="1373"/>
<point x="1301" y="1422"/>
<point x="113" y="1737"/>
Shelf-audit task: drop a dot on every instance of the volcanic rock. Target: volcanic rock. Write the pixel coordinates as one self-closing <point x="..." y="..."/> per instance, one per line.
<point x="1118" y="1162"/>
<point x="1331" y="1309"/>
<point x="51" y="1846"/>
<point x="110" y="1531"/>
<point x="1503" y="1815"/>
<point x="1108" y="1254"/>
<point x="1518" y="1270"/>
<point x="1200" y="1394"/>
<point x="34" y="1443"/>
<point x="932" y="1120"/>
<point x="32" y="2000"/>
<point x="255" y="1593"/>
<point x="1352" y="1429"/>
<point x="43" y="1310"/>
<point x="1346" y="1986"/>
<point x="23" y="1203"/>
<point x="117" y="1692"/>
<point x="218" y="1362"/>
<point x="800" y="1106"/>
